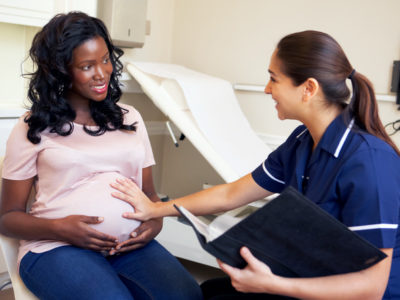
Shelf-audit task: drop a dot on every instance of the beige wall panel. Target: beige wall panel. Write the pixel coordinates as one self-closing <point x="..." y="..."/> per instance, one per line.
<point x="234" y="39"/>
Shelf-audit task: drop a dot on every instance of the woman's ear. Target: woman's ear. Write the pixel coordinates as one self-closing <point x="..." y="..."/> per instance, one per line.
<point x="311" y="88"/>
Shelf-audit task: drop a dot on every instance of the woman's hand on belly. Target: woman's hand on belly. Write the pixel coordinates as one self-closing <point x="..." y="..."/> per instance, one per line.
<point x="142" y="235"/>
<point x="75" y="230"/>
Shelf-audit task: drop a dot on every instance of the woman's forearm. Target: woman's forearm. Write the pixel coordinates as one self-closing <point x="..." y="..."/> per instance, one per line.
<point x="72" y="229"/>
<point x="21" y="225"/>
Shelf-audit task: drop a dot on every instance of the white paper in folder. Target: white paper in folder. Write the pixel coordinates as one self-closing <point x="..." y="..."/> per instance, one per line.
<point x="217" y="113"/>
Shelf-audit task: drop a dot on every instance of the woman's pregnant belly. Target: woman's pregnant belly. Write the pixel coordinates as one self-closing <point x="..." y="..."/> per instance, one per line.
<point x="92" y="197"/>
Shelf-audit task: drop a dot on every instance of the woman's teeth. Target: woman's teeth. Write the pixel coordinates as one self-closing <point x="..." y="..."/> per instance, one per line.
<point x="100" y="88"/>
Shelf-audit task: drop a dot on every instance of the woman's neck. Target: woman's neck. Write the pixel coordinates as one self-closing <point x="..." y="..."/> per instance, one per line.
<point x="317" y="123"/>
<point x="82" y="110"/>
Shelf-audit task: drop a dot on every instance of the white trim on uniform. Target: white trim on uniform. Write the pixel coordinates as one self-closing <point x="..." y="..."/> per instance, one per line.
<point x="301" y="133"/>
<point x="374" y="226"/>
<point x="343" y="139"/>
<point x="270" y="175"/>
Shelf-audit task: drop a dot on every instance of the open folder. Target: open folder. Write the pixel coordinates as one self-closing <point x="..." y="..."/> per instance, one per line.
<point x="291" y="234"/>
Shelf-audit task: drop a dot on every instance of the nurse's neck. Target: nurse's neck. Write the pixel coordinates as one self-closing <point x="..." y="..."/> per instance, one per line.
<point x="318" y="120"/>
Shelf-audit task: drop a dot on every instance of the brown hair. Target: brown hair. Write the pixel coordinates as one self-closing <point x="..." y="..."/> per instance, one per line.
<point x="314" y="54"/>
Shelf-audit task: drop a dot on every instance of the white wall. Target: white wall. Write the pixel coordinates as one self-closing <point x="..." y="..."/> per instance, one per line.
<point x="14" y="48"/>
<point x="158" y="45"/>
<point x="234" y="39"/>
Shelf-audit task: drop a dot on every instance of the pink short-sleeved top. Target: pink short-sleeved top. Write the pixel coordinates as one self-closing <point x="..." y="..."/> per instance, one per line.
<point x="74" y="172"/>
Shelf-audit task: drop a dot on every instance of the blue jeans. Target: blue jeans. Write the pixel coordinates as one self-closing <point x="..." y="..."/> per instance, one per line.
<point x="69" y="272"/>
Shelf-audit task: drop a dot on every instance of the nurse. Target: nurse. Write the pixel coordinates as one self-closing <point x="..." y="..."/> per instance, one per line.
<point x="340" y="158"/>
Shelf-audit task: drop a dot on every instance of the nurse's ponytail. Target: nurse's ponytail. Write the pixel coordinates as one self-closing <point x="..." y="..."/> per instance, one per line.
<point x="314" y="54"/>
<point x="365" y="107"/>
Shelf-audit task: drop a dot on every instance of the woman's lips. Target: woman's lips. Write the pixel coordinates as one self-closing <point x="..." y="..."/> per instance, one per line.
<point x="100" y="88"/>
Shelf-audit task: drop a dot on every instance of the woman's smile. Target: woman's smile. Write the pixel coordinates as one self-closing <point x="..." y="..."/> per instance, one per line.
<point x="100" y="89"/>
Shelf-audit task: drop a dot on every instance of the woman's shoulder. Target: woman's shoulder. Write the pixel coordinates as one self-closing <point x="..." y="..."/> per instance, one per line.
<point x="131" y="114"/>
<point x="374" y="164"/>
<point x="21" y="125"/>
<point x="373" y="151"/>
<point x="18" y="138"/>
<point x="129" y="108"/>
<point x="370" y="142"/>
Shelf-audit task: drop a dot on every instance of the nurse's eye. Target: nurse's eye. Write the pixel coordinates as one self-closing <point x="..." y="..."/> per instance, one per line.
<point x="106" y="60"/>
<point x="272" y="79"/>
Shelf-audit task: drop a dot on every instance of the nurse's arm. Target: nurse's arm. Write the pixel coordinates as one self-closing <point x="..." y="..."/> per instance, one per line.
<point x="215" y="199"/>
<point x="366" y="284"/>
<point x="148" y="230"/>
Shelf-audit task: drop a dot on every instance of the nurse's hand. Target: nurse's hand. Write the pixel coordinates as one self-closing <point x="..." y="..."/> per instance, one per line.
<point x="142" y="235"/>
<point x="256" y="277"/>
<point x="129" y="192"/>
<point x="75" y="230"/>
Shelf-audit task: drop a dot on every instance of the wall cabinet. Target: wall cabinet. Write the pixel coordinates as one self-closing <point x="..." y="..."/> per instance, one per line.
<point x="39" y="12"/>
<point x="30" y="13"/>
<point x="125" y="20"/>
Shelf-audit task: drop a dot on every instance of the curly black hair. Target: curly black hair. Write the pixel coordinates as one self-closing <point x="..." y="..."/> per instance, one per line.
<point x="51" y="53"/>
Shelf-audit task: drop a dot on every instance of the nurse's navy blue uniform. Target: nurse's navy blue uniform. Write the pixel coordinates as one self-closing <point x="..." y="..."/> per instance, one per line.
<point x="352" y="175"/>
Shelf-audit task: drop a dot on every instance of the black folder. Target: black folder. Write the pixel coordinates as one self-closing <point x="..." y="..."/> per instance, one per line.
<point x="295" y="238"/>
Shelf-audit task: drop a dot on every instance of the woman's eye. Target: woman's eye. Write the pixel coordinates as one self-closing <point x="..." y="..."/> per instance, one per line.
<point x="272" y="79"/>
<point x="106" y="60"/>
<point x="85" y="68"/>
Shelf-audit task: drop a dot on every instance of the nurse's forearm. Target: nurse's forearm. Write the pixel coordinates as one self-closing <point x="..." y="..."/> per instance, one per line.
<point x="216" y="199"/>
<point x="208" y="201"/>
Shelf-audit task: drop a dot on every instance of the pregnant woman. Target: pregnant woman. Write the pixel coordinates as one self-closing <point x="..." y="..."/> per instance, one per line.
<point x="70" y="145"/>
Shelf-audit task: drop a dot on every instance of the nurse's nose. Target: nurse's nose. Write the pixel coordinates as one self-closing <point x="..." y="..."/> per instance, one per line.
<point x="267" y="89"/>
